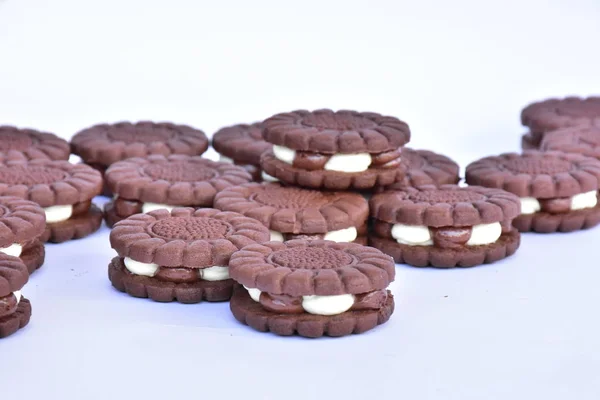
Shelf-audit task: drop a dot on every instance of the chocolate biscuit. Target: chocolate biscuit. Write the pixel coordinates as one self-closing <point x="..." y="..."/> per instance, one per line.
<point x="552" y="114"/>
<point x="312" y="288"/>
<point x="243" y="144"/>
<point x="175" y="180"/>
<point x="15" y="311"/>
<point x="558" y="190"/>
<point x="580" y="140"/>
<point x="181" y="255"/>
<point x="295" y="212"/>
<point x="427" y="168"/>
<point x="446" y="226"/>
<point x="530" y="142"/>
<point x="28" y="144"/>
<point x="64" y="190"/>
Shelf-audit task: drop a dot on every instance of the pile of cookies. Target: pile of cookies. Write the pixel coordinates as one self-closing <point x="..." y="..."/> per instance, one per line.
<point x="301" y="221"/>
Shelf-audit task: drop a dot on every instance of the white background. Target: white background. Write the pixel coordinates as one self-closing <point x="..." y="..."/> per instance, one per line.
<point x="457" y="71"/>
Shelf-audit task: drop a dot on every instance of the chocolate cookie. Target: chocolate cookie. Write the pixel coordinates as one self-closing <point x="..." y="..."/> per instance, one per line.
<point x="312" y="288"/>
<point x="558" y="191"/>
<point x="580" y="140"/>
<point x="28" y="144"/>
<point x="427" y="168"/>
<point x="242" y="145"/>
<point x="64" y="191"/>
<point x="153" y="182"/>
<point x="15" y="311"/>
<point x="295" y="213"/>
<point x="22" y="222"/>
<point x="530" y="142"/>
<point x="334" y="150"/>
<point x="181" y="255"/>
<point x="552" y="114"/>
<point x="448" y="226"/>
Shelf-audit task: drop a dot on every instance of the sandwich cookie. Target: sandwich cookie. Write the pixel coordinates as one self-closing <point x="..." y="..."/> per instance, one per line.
<point x="295" y="213"/>
<point x="242" y="145"/>
<point x="558" y="191"/>
<point x="145" y="184"/>
<point x="102" y="145"/>
<point x="15" y="310"/>
<point x="28" y="144"/>
<point x="552" y="114"/>
<point x="425" y="167"/>
<point x="449" y="226"/>
<point x="65" y="192"/>
<point x="181" y="255"/>
<point x="22" y="223"/>
<point x="580" y="140"/>
<point x="312" y="288"/>
<point x="331" y="150"/>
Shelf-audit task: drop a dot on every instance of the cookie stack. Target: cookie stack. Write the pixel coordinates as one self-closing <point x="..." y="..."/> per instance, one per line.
<point x="15" y="310"/>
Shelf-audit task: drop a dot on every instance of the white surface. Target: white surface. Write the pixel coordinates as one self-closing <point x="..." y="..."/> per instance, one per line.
<point x="458" y="72"/>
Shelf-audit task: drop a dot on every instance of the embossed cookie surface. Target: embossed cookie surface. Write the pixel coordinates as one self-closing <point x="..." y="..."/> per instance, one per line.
<point x="28" y="144"/>
<point x="301" y="268"/>
<point x="20" y="221"/>
<point x="584" y="140"/>
<point x="185" y="237"/>
<point x="173" y="180"/>
<point x="242" y="143"/>
<point x="49" y="183"/>
<point x="295" y="210"/>
<point x="553" y="114"/>
<point x="537" y="174"/>
<point x="448" y="205"/>
<point x="13" y="274"/>
<point x="427" y="168"/>
<point x="105" y="144"/>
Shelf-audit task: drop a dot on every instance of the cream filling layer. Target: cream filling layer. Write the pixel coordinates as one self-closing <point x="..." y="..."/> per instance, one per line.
<point x="581" y="201"/>
<point x="148" y="207"/>
<point x="343" y="235"/>
<point x="14" y="250"/>
<point x="17" y="294"/>
<point x="268" y="178"/>
<point x="419" y="235"/>
<point x="226" y="159"/>
<point x="215" y="273"/>
<point x="318" y="305"/>
<point x="358" y="162"/>
<point x="58" y="213"/>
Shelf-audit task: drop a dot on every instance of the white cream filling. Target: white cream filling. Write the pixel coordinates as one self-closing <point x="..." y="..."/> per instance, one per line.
<point x="14" y="250"/>
<point x="581" y="201"/>
<point x="216" y="273"/>
<point x="148" y="207"/>
<point x="17" y="294"/>
<point x="358" y="162"/>
<point x="418" y="235"/>
<point x="276" y="236"/>
<point x="226" y="159"/>
<point x="342" y="235"/>
<point x="319" y="305"/>
<point x="268" y="178"/>
<point x="58" y="213"/>
<point x="139" y="268"/>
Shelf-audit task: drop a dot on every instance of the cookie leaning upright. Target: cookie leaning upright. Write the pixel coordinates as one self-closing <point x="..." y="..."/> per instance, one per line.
<point x="558" y="191"/>
<point x="28" y="144"/>
<point x="582" y="140"/>
<point x="22" y="223"/>
<point x="312" y="288"/>
<point x="64" y="190"/>
<point x="181" y="255"/>
<point x="144" y="184"/>
<point x="15" y="310"/>
<point x="448" y="226"/>
<point x="295" y="213"/>
<point x="552" y="114"/>
<point x="424" y="167"/>
<point x="242" y="145"/>
<point x="331" y="150"/>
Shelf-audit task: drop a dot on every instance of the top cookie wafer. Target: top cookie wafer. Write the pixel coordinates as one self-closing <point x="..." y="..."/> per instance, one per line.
<point x="49" y="183"/>
<point x="295" y="210"/>
<point x="20" y="221"/>
<point x="185" y="237"/>
<point x="427" y="168"/>
<point x="106" y="144"/>
<point x="537" y="174"/>
<point x="242" y="143"/>
<point x="29" y="144"/>
<point x="174" y="180"/>
<point x="448" y="205"/>
<point x="329" y="132"/>
<point x="13" y="274"/>
<point x="318" y="267"/>
<point x="553" y="114"/>
<point x="581" y="140"/>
